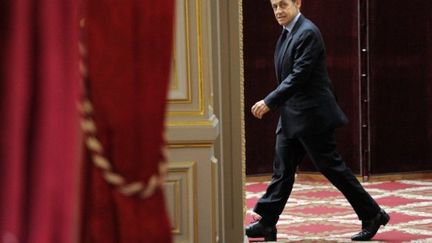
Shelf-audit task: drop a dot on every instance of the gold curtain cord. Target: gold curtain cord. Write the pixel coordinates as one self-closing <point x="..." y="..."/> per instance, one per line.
<point x="95" y="147"/>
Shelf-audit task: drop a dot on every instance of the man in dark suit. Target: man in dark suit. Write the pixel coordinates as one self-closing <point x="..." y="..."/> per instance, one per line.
<point x="309" y="115"/>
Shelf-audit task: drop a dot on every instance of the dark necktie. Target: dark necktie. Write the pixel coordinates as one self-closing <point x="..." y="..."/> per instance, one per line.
<point x="282" y="39"/>
<point x="280" y="49"/>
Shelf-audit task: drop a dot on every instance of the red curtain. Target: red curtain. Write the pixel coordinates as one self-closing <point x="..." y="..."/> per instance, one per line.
<point x="39" y="123"/>
<point x="128" y="45"/>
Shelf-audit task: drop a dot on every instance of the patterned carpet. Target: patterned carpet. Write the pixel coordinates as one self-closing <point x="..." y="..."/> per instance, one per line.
<point x="317" y="212"/>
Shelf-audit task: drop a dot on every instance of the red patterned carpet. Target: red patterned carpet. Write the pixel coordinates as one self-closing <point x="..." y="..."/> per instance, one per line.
<point x="317" y="212"/>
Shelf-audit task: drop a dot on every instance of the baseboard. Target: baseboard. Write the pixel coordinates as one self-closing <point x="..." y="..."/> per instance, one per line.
<point x="381" y="177"/>
<point x="258" y="178"/>
<point x="402" y="176"/>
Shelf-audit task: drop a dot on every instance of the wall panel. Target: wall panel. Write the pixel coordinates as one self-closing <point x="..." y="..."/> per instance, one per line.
<point x="192" y="128"/>
<point x="339" y="27"/>
<point x="260" y="33"/>
<point x="401" y="85"/>
<point x="379" y="54"/>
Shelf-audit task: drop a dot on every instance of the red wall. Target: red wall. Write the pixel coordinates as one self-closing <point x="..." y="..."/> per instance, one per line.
<point x="390" y="129"/>
<point x="400" y="85"/>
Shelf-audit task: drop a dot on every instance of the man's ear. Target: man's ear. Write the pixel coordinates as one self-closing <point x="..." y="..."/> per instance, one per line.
<point x="298" y="3"/>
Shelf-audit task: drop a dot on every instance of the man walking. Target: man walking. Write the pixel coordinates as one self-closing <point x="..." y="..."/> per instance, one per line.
<point x="309" y="116"/>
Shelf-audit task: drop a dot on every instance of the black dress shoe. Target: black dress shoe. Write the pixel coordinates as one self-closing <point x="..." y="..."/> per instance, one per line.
<point x="370" y="227"/>
<point x="258" y="230"/>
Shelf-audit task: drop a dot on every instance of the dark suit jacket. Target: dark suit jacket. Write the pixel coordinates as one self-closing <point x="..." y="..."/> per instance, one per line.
<point x="304" y="94"/>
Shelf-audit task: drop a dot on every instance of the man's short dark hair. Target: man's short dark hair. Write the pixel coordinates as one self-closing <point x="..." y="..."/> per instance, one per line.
<point x="291" y="1"/>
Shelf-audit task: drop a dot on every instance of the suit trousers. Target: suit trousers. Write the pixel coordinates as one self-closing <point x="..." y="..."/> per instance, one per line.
<point x="321" y="148"/>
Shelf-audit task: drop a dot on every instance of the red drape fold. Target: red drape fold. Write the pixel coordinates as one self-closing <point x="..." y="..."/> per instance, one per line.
<point x="129" y="48"/>
<point x="39" y="125"/>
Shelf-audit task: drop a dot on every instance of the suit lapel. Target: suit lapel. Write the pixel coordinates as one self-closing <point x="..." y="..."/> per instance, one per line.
<point x="284" y="47"/>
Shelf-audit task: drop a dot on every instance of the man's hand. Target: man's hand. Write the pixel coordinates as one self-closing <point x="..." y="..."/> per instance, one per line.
<point x="259" y="109"/>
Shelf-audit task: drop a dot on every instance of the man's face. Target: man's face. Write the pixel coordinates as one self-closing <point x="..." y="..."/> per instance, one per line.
<point x="285" y="10"/>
